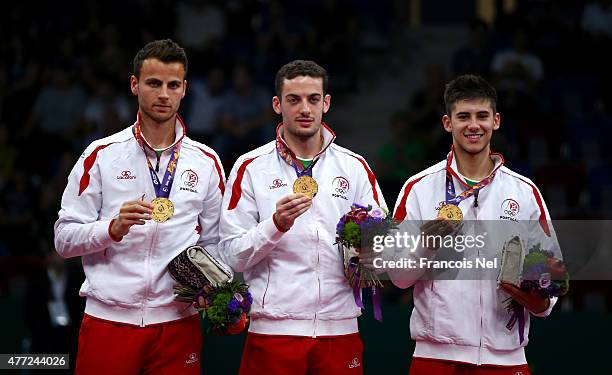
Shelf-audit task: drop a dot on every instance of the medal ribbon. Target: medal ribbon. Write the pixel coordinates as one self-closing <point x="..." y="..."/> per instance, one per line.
<point x="287" y="156"/>
<point x="450" y="187"/>
<point x="162" y="190"/>
<point x="304" y="171"/>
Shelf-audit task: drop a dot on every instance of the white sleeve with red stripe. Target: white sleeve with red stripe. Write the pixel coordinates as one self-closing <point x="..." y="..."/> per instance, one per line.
<point x="408" y="213"/>
<point x="245" y="241"/>
<point x="369" y="192"/>
<point x="543" y="232"/>
<point x="78" y="230"/>
<point x="208" y="219"/>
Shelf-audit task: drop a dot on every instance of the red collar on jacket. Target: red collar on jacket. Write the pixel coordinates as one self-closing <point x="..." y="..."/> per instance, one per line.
<point x="289" y="156"/>
<point x="180" y="131"/>
<point x="451" y="165"/>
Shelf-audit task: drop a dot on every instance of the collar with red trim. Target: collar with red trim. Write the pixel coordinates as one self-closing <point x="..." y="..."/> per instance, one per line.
<point x="289" y="156"/>
<point x="451" y="165"/>
<point x="179" y="130"/>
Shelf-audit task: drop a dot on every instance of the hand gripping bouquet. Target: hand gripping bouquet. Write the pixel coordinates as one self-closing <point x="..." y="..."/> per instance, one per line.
<point x="355" y="233"/>
<point x="208" y="285"/>
<point x="540" y="272"/>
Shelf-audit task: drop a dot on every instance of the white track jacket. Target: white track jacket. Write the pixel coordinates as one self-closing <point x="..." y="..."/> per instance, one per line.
<point x="128" y="281"/>
<point x="296" y="277"/>
<point x="465" y="320"/>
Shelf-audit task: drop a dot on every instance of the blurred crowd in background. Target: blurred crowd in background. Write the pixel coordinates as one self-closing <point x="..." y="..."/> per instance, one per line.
<point x="64" y="82"/>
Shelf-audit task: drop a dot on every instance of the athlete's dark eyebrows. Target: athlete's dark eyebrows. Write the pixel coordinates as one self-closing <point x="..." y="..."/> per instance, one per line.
<point x="467" y="113"/>
<point x="157" y="80"/>
<point x="313" y="95"/>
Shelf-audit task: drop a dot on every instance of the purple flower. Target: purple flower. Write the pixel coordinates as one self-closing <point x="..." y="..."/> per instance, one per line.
<point x="544" y="280"/>
<point x="534" y="272"/>
<point x="233" y="306"/>
<point x="378" y="213"/>
<point x="356" y="205"/>
<point x="340" y="226"/>
<point x="238" y="297"/>
<point x="247" y="301"/>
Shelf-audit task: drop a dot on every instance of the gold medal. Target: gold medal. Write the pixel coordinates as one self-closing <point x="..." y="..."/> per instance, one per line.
<point x="163" y="209"/>
<point x="451" y="212"/>
<point x="306" y="185"/>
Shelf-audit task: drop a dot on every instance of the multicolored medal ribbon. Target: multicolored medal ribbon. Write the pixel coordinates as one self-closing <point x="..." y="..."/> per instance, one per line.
<point x="305" y="183"/>
<point x="163" y="208"/>
<point x="451" y="210"/>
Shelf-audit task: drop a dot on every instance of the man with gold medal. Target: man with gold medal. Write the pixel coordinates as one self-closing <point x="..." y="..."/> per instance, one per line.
<point x="162" y="207"/>
<point x="460" y="325"/>
<point x="134" y="201"/>
<point x="278" y="226"/>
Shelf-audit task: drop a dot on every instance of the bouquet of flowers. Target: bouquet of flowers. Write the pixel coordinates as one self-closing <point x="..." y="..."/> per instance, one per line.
<point x="354" y="233"/>
<point x="225" y="306"/>
<point x="543" y="273"/>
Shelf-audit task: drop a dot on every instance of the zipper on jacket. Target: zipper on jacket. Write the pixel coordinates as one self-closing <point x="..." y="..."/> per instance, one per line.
<point x="477" y="227"/>
<point x="263" y="300"/>
<point x="147" y="274"/>
<point x="314" y="327"/>
<point x="480" y="344"/>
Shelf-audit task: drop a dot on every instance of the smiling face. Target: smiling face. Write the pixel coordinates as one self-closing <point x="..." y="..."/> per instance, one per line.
<point x="302" y="104"/>
<point x="160" y="89"/>
<point x="471" y="122"/>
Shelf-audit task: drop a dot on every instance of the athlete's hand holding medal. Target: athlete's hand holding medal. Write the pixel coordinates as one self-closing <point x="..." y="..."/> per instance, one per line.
<point x="438" y="227"/>
<point x="131" y="213"/>
<point x="448" y="221"/>
<point x="450" y="215"/>
<point x="289" y="208"/>
<point x="160" y="209"/>
<point x="136" y="212"/>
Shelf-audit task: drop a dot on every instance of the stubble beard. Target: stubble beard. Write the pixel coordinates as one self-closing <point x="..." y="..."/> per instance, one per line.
<point x="158" y="118"/>
<point x="304" y="134"/>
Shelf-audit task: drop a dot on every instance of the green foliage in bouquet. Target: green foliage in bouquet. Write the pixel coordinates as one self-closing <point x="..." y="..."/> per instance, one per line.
<point x="225" y="307"/>
<point x="351" y="235"/>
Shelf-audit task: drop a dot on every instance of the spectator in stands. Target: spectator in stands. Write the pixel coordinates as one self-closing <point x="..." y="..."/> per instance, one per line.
<point x="58" y="109"/>
<point x="597" y="18"/>
<point x="204" y="106"/>
<point x="245" y="115"/>
<point x="475" y="56"/>
<point x="403" y="155"/>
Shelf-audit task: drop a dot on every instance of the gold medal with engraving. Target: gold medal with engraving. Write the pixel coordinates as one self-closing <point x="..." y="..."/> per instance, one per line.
<point x="163" y="209"/>
<point x="306" y="185"/>
<point x="451" y="212"/>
